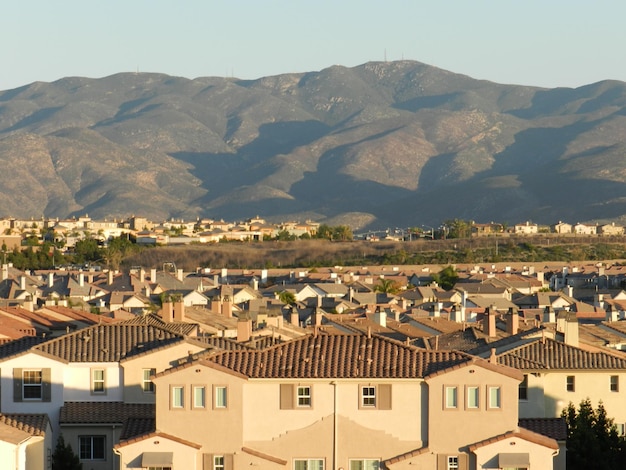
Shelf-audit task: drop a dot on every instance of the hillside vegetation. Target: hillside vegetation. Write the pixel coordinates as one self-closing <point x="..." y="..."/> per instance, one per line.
<point x="382" y="144"/>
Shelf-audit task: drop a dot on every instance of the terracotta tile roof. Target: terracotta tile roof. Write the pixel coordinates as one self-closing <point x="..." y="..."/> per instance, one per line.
<point x="263" y="456"/>
<point x="105" y="412"/>
<point x="33" y="424"/>
<point x="108" y="343"/>
<point x="338" y="356"/>
<point x="555" y="428"/>
<point x="407" y="455"/>
<point x="18" y="346"/>
<point x="522" y="434"/>
<point x="150" y="435"/>
<point x="136" y="427"/>
<point x="550" y="354"/>
<point x="181" y="328"/>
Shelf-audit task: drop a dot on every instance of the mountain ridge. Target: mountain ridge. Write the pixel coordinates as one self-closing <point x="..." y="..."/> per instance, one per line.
<point x="384" y="143"/>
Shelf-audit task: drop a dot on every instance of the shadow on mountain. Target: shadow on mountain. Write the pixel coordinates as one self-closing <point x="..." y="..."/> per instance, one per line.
<point x="426" y="102"/>
<point x="34" y="118"/>
<point x="224" y="171"/>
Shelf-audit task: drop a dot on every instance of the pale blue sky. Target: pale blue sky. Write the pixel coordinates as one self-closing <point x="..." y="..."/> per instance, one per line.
<point x="532" y="42"/>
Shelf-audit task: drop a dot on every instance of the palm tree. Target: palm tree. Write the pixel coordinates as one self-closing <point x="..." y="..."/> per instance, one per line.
<point x="386" y="286"/>
<point x="287" y="297"/>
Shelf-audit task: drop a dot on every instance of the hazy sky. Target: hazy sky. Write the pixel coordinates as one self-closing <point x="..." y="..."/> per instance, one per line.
<point x="532" y="42"/>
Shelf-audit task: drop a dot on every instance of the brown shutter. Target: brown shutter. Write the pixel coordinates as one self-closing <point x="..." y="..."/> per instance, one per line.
<point x="442" y="462"/>
<point x="384" y="397"/>
<point x="463" y="462"/>
<point x="207" y="461"/>
<point x="17" y="384"/>
<point x="228" y="462"/>
<point x="46" y="384"/>
<point x="286" y="396"/>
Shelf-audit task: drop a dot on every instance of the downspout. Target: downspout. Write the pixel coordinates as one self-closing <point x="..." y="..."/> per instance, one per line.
<point x="335" y="425"/>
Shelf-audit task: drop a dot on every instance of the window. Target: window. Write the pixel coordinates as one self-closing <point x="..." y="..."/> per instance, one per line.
<point x="199" y="393"/>
<point x="494" y="397"/>
<point x="523" y="388"/>
<point x="221" y="396"/>
<point x="365" y="464"/>
<point x="368" y="396"/>
<point x="614" y="384"/>
<point x="570" y="383"/>
<point x="308" y="464"/>
<point x="451" y="397"/>
<point x="472" y="397"/>
<point x="218" y="462"/>
<point x="97" y="381"/>
<point x="304" y="396"/>
<point x="32" y="384"/>
<point x="146" y="384"/>
<point x="91" y="447"/>
<point x="452" y="463"/>
<point x="178" y="397"/>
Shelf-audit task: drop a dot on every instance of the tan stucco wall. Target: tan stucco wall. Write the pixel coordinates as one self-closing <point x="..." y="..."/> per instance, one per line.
<point x="450" y="430"/>
<point x="185" y="457"/>
<point x="71" y="435"/>
<point x="160" y="360"/>
<point x="548" y="396"/>
<point x="540" y="456"/>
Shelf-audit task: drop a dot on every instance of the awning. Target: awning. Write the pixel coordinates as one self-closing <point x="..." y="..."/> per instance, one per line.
<point x="514" y="460"/>
<point x="157" y="459"/>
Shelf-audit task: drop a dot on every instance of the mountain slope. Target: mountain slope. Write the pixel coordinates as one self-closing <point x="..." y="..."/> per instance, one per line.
<point x="398" y="143"/>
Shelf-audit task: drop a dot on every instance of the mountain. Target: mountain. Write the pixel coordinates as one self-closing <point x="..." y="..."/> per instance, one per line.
<point x="382" y="144"/>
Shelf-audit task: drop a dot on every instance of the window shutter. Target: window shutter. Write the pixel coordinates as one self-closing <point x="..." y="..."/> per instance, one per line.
<point x="207" y="461"/>
<point x="46" y="384"/>
<point x="17" y="384"/>
<point x="286" y="396"/>
<point x="442" y="462"/>
<point x="384" y="397"/>
<point x="228" y="462"/>
<point x="463" y="462"/>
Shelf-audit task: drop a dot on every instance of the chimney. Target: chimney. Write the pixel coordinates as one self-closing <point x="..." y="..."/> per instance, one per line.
<point x="437" y="309"/>
<point x="224" y="276"/>
<point x="255" y="283"/>
<point x="142" y="275"/>
<point x="23" y="282"/>
<point x="380" y="317"/>
<point x="50" y="279"/>
<point x="492" y="357"/>
<point x="512" y="321"/>
<point x="110" y="277"/>
<point x="179" y="310"/>
<point x="611" y="313"/>
<point x="216" y="304"/>
<point x="153" y="275"/>
<point x="167" y="311"/>
<point x="179" y="275"/>
<point x="294" y="316"/>
<point x="569" y="291"/>
<point x="244" y="328"/>
<point x="263" y="276"/>
<point x="317" y="317"/>
<point x="489" y="322"/>
<point x="216" y="280"/>
<point x="28" y="304"/>
<point x="81" y="279"/>
<point x="571" y="329"/>
<point x="549" y="315"/>
<point x="350" y="294"/>
<point x="5" y="272"/>
<point x="148" y="291"/>
<point x="227" y="306"/>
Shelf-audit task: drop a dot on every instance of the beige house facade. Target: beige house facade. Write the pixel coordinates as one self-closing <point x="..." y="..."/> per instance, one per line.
<point x="336" y="401"/>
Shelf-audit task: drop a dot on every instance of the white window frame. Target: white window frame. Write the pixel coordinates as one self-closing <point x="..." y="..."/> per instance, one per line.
<point x="570" y="383"/>
<point x="452" y="462"/>
<point x="614" y="383"/>
<point x="220" y="400"/>
<point x="98" y="382"/>
<point x="219" y="462"/>
<point x="31" y="383"/>
<point x="308" y="464"/>
<point x="303" y="396"/>
<point x="178" y="397"/>
<point x="89" y="439"/>
<point x="368" y="396"/>
<point x="363" y="464"/>
<point x="451" y="397"/>
<point x="199" y="404"/>
<point x="494" y="397"/>
<point x="147" y="385"/>
<point x="473" y="391"/>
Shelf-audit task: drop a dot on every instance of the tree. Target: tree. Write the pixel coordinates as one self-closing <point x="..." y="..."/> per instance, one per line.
<point x="458" y="228"/>
<point x="386" y="286"/>
<point x="592" y="439"/>
<point x="64" y="457"/>
<point x="446" y="278"/>
<point x="287" y="297"/>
